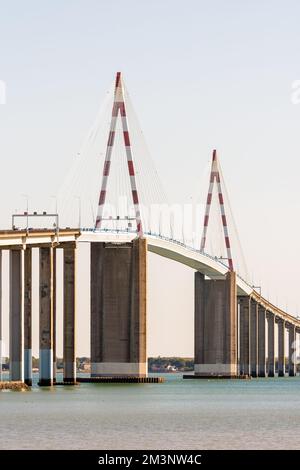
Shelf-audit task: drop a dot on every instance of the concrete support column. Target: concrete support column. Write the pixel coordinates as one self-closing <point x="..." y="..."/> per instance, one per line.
<point x="292" y="350"/>
<point x="118" y="308"/>
<point x="96" y="327"/>
<point x="1" y="331"/>
<point x="138" y="315"/>
<point x="297" y="349"/>
<point x="215" y="326"/>
<point x="281" y="348"/>
<point x="28" y="316"/>
<point x="16" y="315"/>
<point x="69" y="314"/>
<point x="54" y="315"/>
<point x="271" y="344"/>
<point x="245" y="305"/>
<point x="254" y="339"/>
<point x="46" y="316"/>
<point x="261" y="342"/>
<point x="199" y="320"/>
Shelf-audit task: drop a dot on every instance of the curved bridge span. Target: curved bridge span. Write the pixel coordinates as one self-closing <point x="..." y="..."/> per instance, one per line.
<point x="174" y="250"/>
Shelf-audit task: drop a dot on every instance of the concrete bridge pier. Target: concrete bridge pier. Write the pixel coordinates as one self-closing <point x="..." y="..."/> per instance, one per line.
<point x="245" y="308"/>
<point x="54" y="314"/>
<point x="1" y="328"/>
<point x="28" y="316"/>
<point x="281" y="348"/>
<point x="118" y="308"/>
<point x="271" y="344"/>
<point x="254" y="339"/>
<point x="16" y="315"/>
<point x="292" y="350"/>
<point x="69" y="313"/>
<point x="46" y="316"/>
<point x="297" y="351"/>
<point x="215" y="326"/>
<point x="261" y="342"/>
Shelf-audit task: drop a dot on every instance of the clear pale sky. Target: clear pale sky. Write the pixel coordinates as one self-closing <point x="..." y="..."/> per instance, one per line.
<point x="201" y="75"/>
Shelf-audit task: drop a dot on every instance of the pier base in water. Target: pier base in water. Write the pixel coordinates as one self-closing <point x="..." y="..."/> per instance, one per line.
<point x="192" y="376"/>
<point x="122" y="379"/>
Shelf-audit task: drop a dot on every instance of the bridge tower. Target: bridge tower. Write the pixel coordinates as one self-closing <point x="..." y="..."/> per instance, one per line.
<point x="215" y="178"/>
<point x="118" y="276"/>
<point x="119" y="109"/>
<point x="216" y="303"/>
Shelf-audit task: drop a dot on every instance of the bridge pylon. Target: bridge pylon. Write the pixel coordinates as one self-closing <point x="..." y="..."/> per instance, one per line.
<point x="119" y="277"/>
<point x="215" y="178"/>
<point x="119" y="110"/>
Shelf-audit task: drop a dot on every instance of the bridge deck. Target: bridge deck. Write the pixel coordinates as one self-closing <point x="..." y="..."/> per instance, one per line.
<point x="14" y="238"/>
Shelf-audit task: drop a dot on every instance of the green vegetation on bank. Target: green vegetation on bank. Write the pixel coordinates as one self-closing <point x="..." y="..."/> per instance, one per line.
<point x="171" y="364"/>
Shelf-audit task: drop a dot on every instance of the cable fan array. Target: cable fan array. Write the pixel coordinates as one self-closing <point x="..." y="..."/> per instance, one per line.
<point x="80" y="194"/>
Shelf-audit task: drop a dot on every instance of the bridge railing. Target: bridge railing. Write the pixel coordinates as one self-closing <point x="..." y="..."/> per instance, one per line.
<point x="169" y="239"/>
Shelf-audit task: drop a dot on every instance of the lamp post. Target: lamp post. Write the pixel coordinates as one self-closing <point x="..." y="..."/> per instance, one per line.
<point x="55" y="199"/>
<point x="79" y="210"/>
<point x="258" y="288"/>
<point x="27" y="208"/>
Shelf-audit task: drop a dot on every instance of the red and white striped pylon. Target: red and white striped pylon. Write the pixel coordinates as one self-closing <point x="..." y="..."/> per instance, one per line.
<point x="119" y="106"/>
<point x="215" y="176"/>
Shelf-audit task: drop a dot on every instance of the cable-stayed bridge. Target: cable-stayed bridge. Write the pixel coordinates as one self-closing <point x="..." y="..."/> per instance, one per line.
<point x="113" y="199"/>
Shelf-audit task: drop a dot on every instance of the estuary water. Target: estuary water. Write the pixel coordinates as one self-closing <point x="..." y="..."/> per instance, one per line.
<point x="178" y="414"/>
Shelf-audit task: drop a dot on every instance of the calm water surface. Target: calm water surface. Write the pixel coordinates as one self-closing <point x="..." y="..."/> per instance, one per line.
<point x="178" y="414"/>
